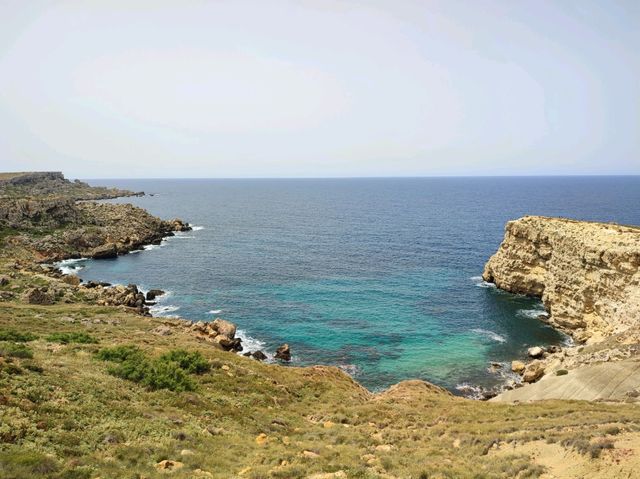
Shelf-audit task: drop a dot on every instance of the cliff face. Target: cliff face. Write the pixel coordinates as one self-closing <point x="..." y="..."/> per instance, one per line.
<point x="587" y="274"/>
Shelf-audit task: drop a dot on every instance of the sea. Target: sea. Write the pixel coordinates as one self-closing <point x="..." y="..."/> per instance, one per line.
<point x="378" y="276"/>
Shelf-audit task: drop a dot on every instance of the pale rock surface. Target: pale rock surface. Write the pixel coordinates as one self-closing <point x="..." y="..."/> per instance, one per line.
<point x="587" y="274"/>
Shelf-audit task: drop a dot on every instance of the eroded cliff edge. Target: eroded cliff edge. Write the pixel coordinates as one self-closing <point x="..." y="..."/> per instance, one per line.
<point x="588" y="278"/>
<point x="587" y="274"/>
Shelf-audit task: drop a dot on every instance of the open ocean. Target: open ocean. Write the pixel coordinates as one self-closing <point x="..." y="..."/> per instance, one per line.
<point x="378" y="276"/>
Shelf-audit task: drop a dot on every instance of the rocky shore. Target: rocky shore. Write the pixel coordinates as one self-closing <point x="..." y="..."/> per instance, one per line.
<point x="588" y="278"/>
<point x="52" y="221"/>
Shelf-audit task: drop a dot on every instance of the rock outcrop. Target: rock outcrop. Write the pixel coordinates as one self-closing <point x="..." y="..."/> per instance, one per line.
<point x="220" y="332"/>
<point x="587" y="274"/>
<point x="53" y="184"/>
<point x="87" y="229"/>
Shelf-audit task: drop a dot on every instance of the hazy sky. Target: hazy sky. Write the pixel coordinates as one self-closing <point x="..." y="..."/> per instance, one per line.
<point x="191" y="88"/>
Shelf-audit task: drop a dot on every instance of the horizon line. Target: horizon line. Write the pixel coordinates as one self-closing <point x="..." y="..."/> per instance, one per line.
<point x="609" y="175"/>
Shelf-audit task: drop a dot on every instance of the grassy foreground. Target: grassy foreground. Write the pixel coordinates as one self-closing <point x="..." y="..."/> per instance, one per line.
<point x="64" y="413"/>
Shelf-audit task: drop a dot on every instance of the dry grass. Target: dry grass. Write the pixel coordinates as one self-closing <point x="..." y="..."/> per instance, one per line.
<point x="63" y="415"/>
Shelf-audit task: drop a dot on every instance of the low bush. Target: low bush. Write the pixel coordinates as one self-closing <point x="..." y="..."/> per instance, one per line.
<point x="562" y="372"/>
<point x="120" y="353"/>
<point x="15" y="351"/>
<point x="191" y="362"/>
<point x="16" y="336"/>
<point x="169" y="371"/>
<point x="25" y="464"/>
<point x="73" y="337"/>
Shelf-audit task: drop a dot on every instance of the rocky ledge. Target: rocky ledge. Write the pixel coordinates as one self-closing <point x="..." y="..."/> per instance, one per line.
<point x="587" y="274"/>
<point x="588" y="278"/>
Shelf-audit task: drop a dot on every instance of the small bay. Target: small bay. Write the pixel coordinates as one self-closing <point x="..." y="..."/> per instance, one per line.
<point x="378" y="276"/>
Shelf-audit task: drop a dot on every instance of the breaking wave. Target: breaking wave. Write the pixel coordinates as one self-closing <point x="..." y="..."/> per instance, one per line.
<point x="532" y="313"/>
<point x="70" y="266"/>
<point x="490" y="334"/>
<point x="480" y="283"/>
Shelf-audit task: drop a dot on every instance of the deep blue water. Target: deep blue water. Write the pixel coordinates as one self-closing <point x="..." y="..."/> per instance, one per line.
<point x="379" y="276"/>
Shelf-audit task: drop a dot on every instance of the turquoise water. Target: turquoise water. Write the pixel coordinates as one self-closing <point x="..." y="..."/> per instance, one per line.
<point x="377" y="276"/>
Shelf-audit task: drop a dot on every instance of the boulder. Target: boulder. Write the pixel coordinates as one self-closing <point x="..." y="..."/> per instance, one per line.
<point x="224" y="328"/>
<point x="108" y="250"/>
<point x="533" y="372"/>
<point x="71" y="279"/>
<point x="199" y="326"/>
<point x="38" y="296"/>
<point x="153" y="293"/>
<point x="178" y="225"/>
<point x="169" y="466"/>
<point x="518" y="367"/>
<point x="259" y="355"/>
<point x="162" y="331"/>
<point x="535" y="352"/>
<point x="283" y="352"/>
<point x="228" y="344"/>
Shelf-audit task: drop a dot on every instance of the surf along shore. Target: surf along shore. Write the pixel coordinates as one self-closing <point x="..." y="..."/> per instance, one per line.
<point x="90" y="385"/>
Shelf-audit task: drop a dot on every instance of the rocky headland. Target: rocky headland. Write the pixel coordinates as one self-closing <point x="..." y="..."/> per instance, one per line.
<point x="588" y="278"/>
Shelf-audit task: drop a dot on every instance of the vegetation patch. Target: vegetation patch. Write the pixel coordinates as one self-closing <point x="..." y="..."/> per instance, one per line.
<point x="169" y="371"/>
<point x="12" y="350"/>
<point x="586" y="447"/>
<point x="16" y="336"/>
<point x="191" y="362"/>
<point x="562" y="372"/>
<point x="74" y="337"/>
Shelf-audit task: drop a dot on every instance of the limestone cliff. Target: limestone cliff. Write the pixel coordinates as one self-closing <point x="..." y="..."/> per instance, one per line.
<point x="587" y="274"/>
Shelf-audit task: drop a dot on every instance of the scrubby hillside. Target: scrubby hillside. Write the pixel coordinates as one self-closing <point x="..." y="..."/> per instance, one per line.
<point x="68" y="412"/>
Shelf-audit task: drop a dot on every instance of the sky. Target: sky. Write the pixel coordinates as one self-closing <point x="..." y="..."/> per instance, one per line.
<point x="305" y="88"/>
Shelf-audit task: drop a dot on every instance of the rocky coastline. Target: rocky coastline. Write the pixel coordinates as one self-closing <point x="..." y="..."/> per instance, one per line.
<point x="55" y="220"/>
<point x="587" y="276"/>
<point x="540" y="257"/>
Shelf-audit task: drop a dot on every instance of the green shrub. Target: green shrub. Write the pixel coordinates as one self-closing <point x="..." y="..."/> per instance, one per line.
<point x="169" y="371"/>
<point x="154" y="374"/>
<point x="73" y="337"/>
<point x="11" y="369"/>
<point x="192" y="362"/>
<point x="18" y="463"/>
<point x="562" y="372"/>
<point x="16" y="336"/>
<point x="15" y="351"/>
<point x="120" y="353"/>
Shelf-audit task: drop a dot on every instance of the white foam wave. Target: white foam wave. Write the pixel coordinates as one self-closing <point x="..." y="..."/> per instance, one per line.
<point x="250" y="344"/>
<point x="149" y="247"/>
<point x="350" y="369"/>
<point x="70" y="266"/>
<point x="214" y="311"/>
<point x="197" y="228"/>
<point x="532" y="313"/>
<point x="480" y="283"/>
<point x="181" y="236"/>
<point x="490" y="334"/>
<point x="163" y="310"/>
<point x="470" y="391"/>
